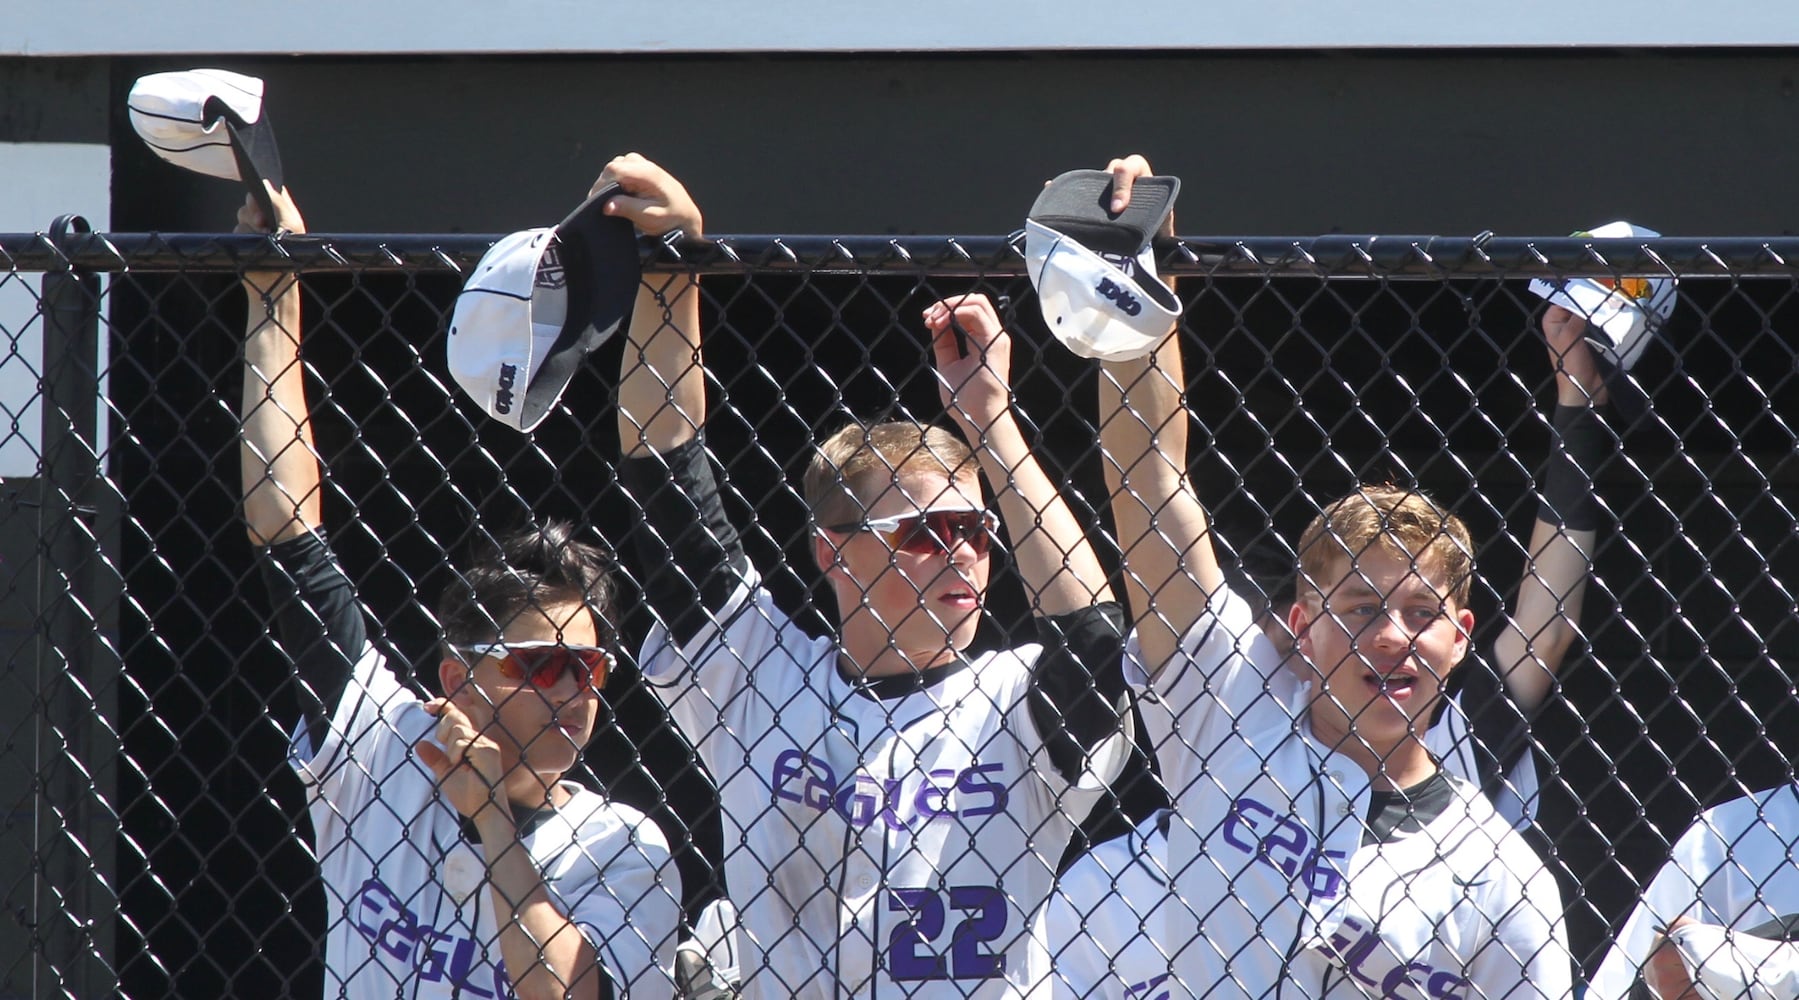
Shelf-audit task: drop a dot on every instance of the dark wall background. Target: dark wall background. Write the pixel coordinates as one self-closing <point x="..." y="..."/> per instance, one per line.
<point x="1411" y="380"/>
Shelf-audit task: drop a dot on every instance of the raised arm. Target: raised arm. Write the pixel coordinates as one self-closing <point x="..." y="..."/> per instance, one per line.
<point x="973" y="351"/>
<point x="1530" y="652"/>
<point x="1170" y="568"/>
<point x="662" y="389"/>
<point x="687" y="552"/>
<point x="279" y="467"/>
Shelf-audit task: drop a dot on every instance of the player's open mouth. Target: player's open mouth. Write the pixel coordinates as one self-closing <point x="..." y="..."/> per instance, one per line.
<point x="1398" y="686"/>
<point x="961" y="599"/>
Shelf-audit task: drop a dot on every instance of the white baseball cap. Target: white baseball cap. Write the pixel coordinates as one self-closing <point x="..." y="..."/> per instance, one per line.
<point x="536" y="305"/>
<point x="1624" y="314"/>
<point x="211" y="121"/>
<point x="1094" y="270"/>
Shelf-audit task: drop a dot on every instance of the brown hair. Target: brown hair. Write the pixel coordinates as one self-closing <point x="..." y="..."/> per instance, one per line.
<point x="856" y="464"/>
<point x="532" y="567"/>
<point x="1395" y="520"/>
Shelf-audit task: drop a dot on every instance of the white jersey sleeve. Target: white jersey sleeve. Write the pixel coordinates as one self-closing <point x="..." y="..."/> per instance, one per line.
<point x="617" y="883"/>
<point x="1104" y="920"/>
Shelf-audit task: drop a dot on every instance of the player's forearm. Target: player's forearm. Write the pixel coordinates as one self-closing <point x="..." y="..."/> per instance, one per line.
<point x="278" y="465"/>
<point x="1170" y="567"/>
<point x="662" y="388"/>
<point x="1534" y="646"/>
<point x="1055" y="560"/>
<point x="546" y="955"/>
<point x="1545" y="620"/>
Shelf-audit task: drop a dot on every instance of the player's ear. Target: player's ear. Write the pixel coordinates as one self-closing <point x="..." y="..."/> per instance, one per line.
<point x="1299" y="623"/>
<point x="453" y="675"/>
<point x="824" y="552"/>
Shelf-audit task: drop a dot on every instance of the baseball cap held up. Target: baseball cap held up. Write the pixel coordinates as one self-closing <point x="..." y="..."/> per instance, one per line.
<point x="211" y="121"/>
<point x="1624" y="316"/>
<point x="1094" y="270"/>
<point x="536" y="305"/>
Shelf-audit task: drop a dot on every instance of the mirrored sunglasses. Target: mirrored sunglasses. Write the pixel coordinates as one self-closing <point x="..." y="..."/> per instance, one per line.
<point x="543" y="662"/>
<point x="932" y="531"/>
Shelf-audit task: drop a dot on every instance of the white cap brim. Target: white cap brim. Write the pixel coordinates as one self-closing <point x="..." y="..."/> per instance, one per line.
<point x="1097" y="308"/>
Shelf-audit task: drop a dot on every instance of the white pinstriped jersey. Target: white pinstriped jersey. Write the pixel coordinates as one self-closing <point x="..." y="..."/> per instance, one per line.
<point x="409" y="909"/>
<point x="1265" y="858"/>
<point x="1107" y="903"/>
<point x="874" y="847"/>
<point x="1737" y="866"/>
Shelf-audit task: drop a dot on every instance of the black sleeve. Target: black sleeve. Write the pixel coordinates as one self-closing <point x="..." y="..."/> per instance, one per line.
<point x="318" y="622"/>
<point x="1501" y="732"/>
<point x="688" y="552"/>
<point x="1078" y="692"/>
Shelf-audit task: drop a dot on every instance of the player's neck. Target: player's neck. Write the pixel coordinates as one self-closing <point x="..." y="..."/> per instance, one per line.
<point x="862" y="657"/>
<point x="1400" y="765"/>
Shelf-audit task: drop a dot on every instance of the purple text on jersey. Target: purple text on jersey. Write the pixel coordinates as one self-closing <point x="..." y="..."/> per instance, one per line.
<point x="434" y="956"/>
<point x="1354" y="941"/>
<point x="897" y="802"/>
<point x="1283" y="843"/>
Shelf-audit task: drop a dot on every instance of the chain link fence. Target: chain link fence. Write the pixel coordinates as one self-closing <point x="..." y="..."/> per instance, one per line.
<point x="156" y="841"/>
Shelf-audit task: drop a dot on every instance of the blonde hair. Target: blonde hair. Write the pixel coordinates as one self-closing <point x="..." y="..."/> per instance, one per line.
<point x="854" y="466"/>
<point x="1395" y="520"/>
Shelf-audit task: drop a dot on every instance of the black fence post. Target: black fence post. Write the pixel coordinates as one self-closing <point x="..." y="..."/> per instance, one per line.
<point x="75" y="898"/>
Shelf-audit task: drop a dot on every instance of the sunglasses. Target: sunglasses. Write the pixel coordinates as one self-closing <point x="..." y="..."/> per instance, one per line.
<point x="931" y="531"/>
<point x="543" y="662"/>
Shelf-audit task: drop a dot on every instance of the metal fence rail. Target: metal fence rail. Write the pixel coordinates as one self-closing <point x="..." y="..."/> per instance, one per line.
<point x="155" y="841"/>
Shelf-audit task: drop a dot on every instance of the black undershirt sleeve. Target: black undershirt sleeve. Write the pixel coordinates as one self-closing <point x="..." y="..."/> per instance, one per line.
<point x="689" y="554"/>
<point x="319" y="624"/>
<point x="1078" y="691"/>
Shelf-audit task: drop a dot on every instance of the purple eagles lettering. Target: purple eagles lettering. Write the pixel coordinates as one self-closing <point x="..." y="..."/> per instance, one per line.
<point x="1282" y="843"/>
<point x="436" y="957"/>
<point x="1355" y="942"/>
<point x="979" y="790"/>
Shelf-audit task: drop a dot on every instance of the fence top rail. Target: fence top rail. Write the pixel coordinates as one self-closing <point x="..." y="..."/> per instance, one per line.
<point x="1355" y="256"/>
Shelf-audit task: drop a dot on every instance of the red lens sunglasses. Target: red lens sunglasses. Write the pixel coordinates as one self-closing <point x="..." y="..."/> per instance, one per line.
<point x="543" y="662"/>
<point x="931" y="531"/>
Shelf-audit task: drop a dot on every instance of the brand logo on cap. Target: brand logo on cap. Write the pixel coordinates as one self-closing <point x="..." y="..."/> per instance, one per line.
<point x="1126" y="264"/>
<point x="1127" y="303"/>
<point x="549" y="268"/>
<point x="502" y="397"/>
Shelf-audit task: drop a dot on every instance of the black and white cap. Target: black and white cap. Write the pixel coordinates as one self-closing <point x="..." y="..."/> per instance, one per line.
<point x="211" y="121"/>
<point x="1094" y="270"/>
<point x="536" y="305"/>
<point x="1624" y="316"/>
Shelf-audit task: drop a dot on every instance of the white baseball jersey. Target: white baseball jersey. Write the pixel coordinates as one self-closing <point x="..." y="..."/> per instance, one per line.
<point x="408" y="904"/>
<point x="874" y="847"/>
<point x="1265" y="855"/>
<point x="1736" y="867"/>
<point x="1459" y="909"/>
<point x="1106" y="912"/>
<point x="1266" y="817"/>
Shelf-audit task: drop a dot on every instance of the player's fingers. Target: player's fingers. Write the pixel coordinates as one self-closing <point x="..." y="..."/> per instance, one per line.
<point x="433" y="758"/>
<point x="631" y="207"/>
<point x="1125" y="171"/>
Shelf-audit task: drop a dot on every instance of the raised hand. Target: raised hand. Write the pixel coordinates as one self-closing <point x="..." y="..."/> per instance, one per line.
<point x="974" y="359"/>
<point x="654" y="201"/>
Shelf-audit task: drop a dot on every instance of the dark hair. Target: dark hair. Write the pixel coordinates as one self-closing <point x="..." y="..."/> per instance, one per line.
<point x="533" y="567"/>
